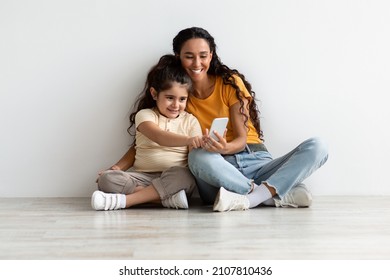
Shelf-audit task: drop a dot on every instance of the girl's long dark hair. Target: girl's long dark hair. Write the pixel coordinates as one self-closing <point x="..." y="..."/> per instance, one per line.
<point x="219" y="69"/>
<point x="160" y="77"/>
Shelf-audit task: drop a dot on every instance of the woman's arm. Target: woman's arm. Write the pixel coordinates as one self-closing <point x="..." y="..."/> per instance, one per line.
<point x="239" y="131"/>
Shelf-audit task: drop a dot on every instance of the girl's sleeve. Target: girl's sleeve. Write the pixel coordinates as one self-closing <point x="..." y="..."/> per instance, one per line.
<point x="145" y="115"/>
<point x="195" y="129"/>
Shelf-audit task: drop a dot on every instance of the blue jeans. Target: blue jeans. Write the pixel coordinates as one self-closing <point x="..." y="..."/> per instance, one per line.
<point x="237" y="172"/>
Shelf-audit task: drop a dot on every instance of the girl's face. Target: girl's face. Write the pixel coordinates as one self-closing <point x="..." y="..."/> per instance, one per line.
<point x="195" y="57"/>
<point x="171" y="102"/>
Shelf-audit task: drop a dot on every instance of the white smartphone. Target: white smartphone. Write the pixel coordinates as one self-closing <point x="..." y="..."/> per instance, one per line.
<point x="218" y="125"/>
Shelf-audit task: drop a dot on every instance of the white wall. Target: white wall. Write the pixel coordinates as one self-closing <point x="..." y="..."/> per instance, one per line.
<point x="70" y="70"/>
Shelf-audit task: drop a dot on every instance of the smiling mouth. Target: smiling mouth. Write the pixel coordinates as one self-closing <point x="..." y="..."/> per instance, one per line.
<point x="196" y="71"/>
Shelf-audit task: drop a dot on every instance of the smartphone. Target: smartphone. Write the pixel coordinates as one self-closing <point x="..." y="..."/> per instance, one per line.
<point x="218" y="125"/>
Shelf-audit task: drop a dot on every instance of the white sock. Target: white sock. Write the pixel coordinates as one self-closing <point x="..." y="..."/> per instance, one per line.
<point x="122" y="201"/>
<point x="258" y="195"/>
<point x="269" y="202"/>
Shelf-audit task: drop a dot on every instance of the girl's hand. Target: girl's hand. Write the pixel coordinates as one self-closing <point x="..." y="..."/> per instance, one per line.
<point x="211" y="145"/>
<point x="114" y="167"/>
<point x="195" y="142"/>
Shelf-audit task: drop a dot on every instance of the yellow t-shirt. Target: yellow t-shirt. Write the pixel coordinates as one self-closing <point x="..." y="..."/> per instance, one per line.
<point x="217" y="105"/>
<point x="150" y="156"/>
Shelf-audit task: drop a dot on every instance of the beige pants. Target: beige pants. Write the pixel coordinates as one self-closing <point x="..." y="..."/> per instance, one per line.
<point x="166" y="183"/>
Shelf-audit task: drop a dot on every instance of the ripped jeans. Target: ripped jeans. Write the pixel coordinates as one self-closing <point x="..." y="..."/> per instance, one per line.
<point x="237" y="172"/>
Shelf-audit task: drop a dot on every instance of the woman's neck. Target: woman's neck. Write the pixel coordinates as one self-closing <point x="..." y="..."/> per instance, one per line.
<point x="205" y="87"/>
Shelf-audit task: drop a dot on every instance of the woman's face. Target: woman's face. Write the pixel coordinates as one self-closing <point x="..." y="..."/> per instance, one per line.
<point x="195" y="57"/>
<point x="171" y="102"/>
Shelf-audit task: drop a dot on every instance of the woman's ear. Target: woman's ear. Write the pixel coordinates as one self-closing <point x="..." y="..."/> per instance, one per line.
<point x="153" y="92"/>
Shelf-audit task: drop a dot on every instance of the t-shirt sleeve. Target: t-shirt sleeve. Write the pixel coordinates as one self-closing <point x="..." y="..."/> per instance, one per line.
<point x="242" y="87"/>
<point x="195" y="129"/>
<point x="145" y="115"/>
<point x="232" y="98"/>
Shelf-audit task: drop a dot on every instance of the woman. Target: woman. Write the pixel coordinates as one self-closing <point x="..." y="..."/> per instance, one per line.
<point x="237" y="172"/>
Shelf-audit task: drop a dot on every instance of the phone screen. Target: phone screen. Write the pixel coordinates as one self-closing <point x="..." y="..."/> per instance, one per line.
<point x="218" y="125"/>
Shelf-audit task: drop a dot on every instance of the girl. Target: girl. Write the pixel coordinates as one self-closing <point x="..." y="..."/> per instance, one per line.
<point x="237" y="172"/>
<point x="164" y="134"/>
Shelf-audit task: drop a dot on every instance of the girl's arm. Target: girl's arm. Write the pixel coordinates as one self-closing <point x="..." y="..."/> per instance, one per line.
<point x="126" y="161"/>
<point x="166" y="138"/>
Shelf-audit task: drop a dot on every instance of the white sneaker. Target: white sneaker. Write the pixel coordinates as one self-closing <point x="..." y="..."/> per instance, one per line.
<point x="298" y="196"/>
<point x="229" y="201"/>
<point x="178" y="200"/>
<point x="105" y="201"/>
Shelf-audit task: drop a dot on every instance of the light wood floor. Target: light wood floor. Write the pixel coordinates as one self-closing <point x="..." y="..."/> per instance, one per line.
<point x="334" y="228"/>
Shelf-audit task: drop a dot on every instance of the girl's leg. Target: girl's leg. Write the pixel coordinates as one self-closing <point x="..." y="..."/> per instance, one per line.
<point x="173" y="180"/>
<point x="165" y="189"/>
<point x="145" y="195"/>
<point x="117" y="181"/>
<point x="114" y="185"/>
<point x="174" y="186"/>
<point x="114" y="201"/>
<point x="212" y="171"/>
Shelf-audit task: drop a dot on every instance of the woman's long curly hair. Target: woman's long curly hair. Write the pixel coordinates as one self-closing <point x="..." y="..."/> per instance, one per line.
<point x="217" y="68"/>
<point x="160" y="77"/>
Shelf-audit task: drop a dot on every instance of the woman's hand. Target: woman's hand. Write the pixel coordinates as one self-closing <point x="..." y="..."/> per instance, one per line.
<point x="211" y="145"/>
